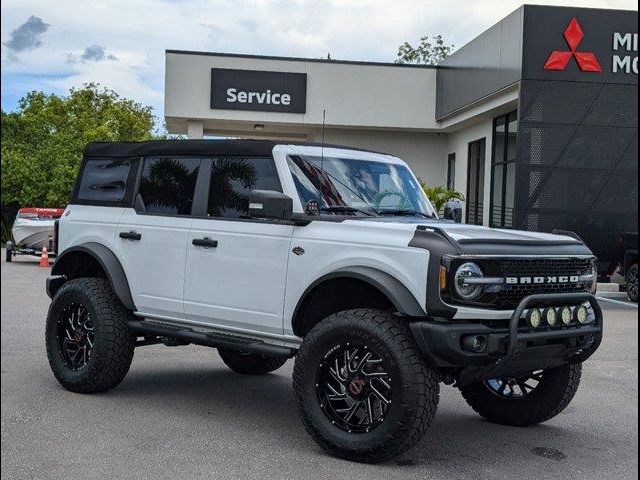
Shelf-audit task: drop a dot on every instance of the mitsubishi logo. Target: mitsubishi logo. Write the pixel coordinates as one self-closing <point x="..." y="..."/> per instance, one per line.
<point x="587" y="61"/>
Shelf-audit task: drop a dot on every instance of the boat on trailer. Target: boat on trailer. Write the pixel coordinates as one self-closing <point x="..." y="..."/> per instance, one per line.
<point x="33" y="230"/>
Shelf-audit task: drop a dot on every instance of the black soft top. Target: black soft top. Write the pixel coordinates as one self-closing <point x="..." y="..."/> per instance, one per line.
<point x="216" y="148"/>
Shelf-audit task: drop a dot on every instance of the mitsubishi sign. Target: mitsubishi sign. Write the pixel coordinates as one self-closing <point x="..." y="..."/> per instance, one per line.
<point x="581" y="45"/>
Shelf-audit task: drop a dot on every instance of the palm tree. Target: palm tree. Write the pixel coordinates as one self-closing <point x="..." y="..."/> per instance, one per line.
<point x="439" y="195"/>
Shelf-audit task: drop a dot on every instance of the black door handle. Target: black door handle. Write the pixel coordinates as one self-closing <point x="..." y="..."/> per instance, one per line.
<point x="205" y="242"/>
<point x="131" y="235"/>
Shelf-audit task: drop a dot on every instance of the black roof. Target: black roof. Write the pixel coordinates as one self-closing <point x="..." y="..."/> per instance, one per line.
<point x="216" y="148"/>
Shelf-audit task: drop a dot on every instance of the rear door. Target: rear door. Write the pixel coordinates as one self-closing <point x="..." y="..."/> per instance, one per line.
<point x="151" y="239"/>
<point x="236" y="267"/>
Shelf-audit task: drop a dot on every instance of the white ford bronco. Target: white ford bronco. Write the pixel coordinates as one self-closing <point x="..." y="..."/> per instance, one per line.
<point x="334" y="256"/>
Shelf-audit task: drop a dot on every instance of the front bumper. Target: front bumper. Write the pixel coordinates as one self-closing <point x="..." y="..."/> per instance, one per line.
<point x="511" y="350"/>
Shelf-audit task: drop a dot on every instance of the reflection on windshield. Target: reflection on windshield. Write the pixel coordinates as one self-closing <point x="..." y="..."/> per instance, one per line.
<point x="362" y="185"/>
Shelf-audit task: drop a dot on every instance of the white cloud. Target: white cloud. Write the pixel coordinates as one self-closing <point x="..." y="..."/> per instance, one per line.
<point x="137" y="33"/>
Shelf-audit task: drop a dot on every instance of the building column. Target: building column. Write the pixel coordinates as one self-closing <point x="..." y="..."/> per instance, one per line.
<point x="195" y="129"/>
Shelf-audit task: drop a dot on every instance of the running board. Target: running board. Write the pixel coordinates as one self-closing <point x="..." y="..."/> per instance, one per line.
<point x="215" y="340"/>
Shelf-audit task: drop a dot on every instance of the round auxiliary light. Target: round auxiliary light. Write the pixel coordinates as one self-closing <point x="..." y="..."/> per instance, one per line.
<point x="468" y="291"/>
<point x="550" y="316"/>
<point x="565" y="315"/>
<point x="534" y="317"/>
<point x="580" y="314"/>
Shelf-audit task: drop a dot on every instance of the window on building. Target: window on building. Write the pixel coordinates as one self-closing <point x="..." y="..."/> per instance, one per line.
<point x="104" y="180"/>
<point x="232" y="179"/>
<point x="475" y="181"/>
<point x="503" y="170"/>
<point x="167" y="185"/>
<point x="451" y="171"/>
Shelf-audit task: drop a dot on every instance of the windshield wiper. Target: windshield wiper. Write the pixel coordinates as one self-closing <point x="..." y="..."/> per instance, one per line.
<point x="348" y="208"/>
<point x="405" y="212"/>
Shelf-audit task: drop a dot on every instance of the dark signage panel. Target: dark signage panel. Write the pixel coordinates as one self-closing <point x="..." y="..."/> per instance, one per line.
<point x="583" y="45"/>
<point x="258" y="90"/>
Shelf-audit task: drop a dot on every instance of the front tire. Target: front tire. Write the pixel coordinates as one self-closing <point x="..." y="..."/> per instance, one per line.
<point x="248" y="363"/>
<point x="362" y="389"/>
<point x="527" y="400"/>
<point x="89" y="344"/>
<point x="632" y="282"/>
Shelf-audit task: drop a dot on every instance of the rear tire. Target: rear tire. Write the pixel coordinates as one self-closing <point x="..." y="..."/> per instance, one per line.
<point x="89" y="344"/>
<point x="365" y="363"/>
<point x="632" y="282"/>
<point x="500" y="400"/>
<point x="250" y="363"/>
<point x="8" y="252"/>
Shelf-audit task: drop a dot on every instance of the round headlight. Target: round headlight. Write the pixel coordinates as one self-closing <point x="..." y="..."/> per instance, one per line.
<point x="550" y="316"/>
<point x="565" y="315"/>
<point x="580" y="314"/>
<point x="466" y="271"/>
<point x="534" y="317"/>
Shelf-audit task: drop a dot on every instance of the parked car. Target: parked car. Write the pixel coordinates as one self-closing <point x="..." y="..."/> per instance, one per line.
<point x="269" y="250"/>
<point x="624" y="266"/>
<point x="33" y="230"/>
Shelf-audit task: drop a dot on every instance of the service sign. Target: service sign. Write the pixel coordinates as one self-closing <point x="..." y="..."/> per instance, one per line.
<point x="258" y="90"/>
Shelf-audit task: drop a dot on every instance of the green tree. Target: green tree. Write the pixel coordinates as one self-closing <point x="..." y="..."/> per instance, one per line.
<point x="428" y="52"/>
<point x="43" y="140"/>
<point x="439" y="195"/>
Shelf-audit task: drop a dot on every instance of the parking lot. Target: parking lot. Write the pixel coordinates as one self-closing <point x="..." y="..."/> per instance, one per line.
<point x="181" y="414"/>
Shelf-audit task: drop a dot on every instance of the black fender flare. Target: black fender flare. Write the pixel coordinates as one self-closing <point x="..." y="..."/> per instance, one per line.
<point x="64" y="265"/>
<point x="402" y="299"/>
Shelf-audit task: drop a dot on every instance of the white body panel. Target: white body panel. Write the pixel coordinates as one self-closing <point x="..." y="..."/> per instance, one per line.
<point x="154" y="265"/>
<point x="330" y="246"/>
<point x="240" y="284"/>
<point x="87" y="223"/>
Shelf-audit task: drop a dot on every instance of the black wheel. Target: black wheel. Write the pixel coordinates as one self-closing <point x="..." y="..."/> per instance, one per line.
<point x="250" y="363"/>
<point x="89" y="344"/>
<point x="632" y="282"/>
<point x="526" y="400"/>
<point x="8" y="252"/>
<point x="362" y="388"/>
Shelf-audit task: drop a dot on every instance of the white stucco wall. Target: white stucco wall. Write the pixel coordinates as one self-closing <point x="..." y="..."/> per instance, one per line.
<point x="353" y="95"/>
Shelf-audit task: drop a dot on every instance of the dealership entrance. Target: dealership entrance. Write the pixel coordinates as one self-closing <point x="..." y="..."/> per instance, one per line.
<point x="535" y="120"/>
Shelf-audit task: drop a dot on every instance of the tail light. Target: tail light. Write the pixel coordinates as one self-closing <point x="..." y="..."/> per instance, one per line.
<point x="56" y="229"/>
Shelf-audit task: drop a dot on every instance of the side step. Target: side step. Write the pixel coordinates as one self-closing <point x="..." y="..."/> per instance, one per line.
<point x="216" y="340"/>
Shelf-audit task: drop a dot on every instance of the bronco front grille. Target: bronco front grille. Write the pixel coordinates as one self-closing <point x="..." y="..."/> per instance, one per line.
<point x="507" y="296"/>
<point x="510" y="295"/>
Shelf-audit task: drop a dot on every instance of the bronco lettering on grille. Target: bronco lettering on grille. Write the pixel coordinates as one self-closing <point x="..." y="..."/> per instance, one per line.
<point x="542" y="280"/>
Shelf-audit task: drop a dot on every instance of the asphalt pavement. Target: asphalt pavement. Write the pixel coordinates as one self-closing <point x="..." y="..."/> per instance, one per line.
<point x="181" y="414"/>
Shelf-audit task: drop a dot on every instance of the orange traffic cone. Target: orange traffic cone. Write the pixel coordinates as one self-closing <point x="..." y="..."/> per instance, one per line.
<point x="44" y="258"/>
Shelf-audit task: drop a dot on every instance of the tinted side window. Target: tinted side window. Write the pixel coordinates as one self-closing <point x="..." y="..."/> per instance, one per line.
<point x="167" y="185"/>
<point x="104" y="180"/>
<point x="231" y="181"/>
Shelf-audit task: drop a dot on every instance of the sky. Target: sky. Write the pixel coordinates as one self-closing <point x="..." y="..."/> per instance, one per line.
<point x="54" y="45"/>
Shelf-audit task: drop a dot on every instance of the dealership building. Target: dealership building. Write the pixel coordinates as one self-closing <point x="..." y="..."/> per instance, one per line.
<point x="535" y="120"/>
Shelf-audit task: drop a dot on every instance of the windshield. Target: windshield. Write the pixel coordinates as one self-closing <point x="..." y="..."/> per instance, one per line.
<point x="354" y="186"/>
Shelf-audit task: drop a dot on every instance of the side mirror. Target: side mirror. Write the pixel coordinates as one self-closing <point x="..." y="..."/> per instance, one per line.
<point x="270" y="204"/>
<point x="453" y="211"/>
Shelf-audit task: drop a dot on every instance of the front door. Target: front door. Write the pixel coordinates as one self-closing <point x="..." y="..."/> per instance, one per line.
<point x="236" y="267"/>
<point x="151" y="239"/>
<point x="475" y="182"/>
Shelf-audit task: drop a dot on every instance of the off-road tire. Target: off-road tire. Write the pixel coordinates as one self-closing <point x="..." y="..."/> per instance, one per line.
<point x="632" y="282"/>
<point x="250" y="363"/>
<point x="113" y="344"/>
<point x="555" y="391"/>
<point x="8" y="252"/>
<point x="415" y="389"/>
